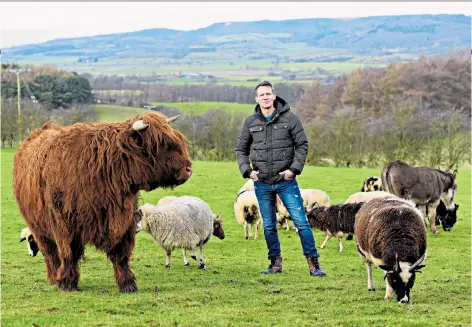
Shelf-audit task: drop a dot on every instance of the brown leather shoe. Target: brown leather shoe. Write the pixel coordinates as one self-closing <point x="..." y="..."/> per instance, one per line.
<point x="315" y="269"/>
<point x="275" y="266"/>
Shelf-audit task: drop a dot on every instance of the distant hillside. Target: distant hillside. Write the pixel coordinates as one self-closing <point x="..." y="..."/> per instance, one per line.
<point x="270" y="45"/>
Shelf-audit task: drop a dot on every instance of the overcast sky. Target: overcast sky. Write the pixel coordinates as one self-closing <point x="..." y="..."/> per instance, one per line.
<point x="23" y="23"/>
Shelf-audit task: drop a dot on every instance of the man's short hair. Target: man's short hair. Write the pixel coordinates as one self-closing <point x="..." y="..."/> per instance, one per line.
<point x="265" y="83"/>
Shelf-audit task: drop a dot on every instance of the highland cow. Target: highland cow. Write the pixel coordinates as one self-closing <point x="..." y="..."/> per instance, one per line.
<point x="80" y="184"/>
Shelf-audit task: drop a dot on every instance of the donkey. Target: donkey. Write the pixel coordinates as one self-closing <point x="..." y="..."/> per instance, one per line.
<point x="425" y="186"/>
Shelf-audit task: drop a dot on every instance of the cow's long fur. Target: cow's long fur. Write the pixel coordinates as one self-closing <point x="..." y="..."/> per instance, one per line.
<point x="390" y="233"/>
<point x="425" y="186"/>
<point x="335" y="220"/>
<point x="80" y="184"/>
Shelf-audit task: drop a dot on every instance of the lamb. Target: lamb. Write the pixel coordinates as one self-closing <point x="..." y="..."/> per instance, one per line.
<point x="33" y="248"/>
<point x="185" y="223"/>
<point x="391" y="233"/>
<point x="166" y="200"/>
<point x="309" y="196"/>
<point x="335" y="220"/>
<point x="373" y="183"/>
<point x="246" y="210"/>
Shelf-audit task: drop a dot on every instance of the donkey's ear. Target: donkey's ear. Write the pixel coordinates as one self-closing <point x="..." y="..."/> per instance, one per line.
<point x="454" y="174"/>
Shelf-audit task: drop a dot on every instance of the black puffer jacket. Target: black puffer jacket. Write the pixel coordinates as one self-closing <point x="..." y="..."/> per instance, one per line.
<point x="273" y="146"/>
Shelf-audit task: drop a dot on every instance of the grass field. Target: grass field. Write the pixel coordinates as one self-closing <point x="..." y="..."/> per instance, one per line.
<point x="232" y="292"/>
<point x="199" y="108"/>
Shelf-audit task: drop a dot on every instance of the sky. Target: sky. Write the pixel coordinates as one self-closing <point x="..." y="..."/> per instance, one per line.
<point x="36" y="22"/>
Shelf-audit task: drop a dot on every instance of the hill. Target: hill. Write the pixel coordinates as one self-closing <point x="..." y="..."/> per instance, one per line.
<point x="290" y="49"/>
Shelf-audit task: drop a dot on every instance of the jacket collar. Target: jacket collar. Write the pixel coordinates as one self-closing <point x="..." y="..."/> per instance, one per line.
<point x="280" y="105"/>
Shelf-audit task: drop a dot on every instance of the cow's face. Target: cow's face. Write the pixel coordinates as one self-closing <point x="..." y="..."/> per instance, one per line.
<point x="401" y="278"/>
<point x="157" y="153"/>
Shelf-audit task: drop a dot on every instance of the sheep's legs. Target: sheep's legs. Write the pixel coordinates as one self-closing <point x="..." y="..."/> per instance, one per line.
<point x="370" y="280"/>
<point x="246" y="228"/>
<point x="256" y="233"/>
<point x="168" y="259"/>
<point x="184" y="252"/>
<point x="341" y="247"/>
<point x="202" y="262"/>
<point x="388" y="289"/>
<point x="328" y="236"/>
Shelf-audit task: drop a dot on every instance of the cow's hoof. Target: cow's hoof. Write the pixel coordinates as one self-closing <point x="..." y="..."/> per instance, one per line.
<point x="130" y="288"/>
<point x="371" y="289"/>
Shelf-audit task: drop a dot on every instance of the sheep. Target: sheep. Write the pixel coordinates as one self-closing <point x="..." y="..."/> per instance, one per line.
<point x="185" y="223"/>
<point x="367" y="196"/>
<point x="166" y="200"/>
<point x="33" y="248"/>
<point x="248" y="186"/>
<point x="335" y="220"/>
<point x="391" y="234"/>
<point x="373" y="183"/>
<point x="309" y="196"/>
<point x="246" y="210"/>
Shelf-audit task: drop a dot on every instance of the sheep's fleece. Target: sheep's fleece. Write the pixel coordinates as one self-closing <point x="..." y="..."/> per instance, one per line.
<point x="184" y="223"/>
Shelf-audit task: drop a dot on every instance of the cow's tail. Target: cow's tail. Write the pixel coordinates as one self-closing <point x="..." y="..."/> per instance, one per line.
<point x="386" y="182"/>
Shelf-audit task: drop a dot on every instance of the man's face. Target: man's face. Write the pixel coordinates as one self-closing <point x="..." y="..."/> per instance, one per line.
<point x="265" y="97"/>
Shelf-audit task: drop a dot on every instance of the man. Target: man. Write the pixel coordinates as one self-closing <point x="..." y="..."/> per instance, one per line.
<point x="276" y="142"/>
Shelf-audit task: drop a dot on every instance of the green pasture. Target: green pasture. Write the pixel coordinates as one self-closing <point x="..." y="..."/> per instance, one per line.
<point x="233" y="292"/>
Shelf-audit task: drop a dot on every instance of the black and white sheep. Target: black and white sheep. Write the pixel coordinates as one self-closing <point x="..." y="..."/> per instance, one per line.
<point x="185" y="223"/>
<point x="246" y="210"/>
<point x="25" y="235"/>
<point x="335" y="220"/>
<point x="309" y="196"/>
<point x="391" y="234"/>
<point x="373" y="183"/>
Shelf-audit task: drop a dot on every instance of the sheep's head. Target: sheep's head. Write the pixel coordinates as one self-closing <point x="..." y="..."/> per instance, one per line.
<point x="143" y="212"/>
<point x="218" y="230"/>
<point x="33" y="248"/>
<point x="401" y="277"/>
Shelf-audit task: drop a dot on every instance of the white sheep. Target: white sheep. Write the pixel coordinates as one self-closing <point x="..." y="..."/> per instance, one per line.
<point x="309" y="196"/>
<point x="367" y="196"/>
<point x="185" y="223"/>
<point x="33" y="248"/>
<point x="166" y="200"/>
<point x="246" y="210"/>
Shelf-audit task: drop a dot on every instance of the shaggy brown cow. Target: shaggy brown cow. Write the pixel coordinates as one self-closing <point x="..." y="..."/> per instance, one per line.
<point x="80" y="184"/>
<point x="425" y="186"/>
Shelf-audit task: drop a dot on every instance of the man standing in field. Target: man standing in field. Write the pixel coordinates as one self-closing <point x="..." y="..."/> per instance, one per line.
<point x="275" y="140"/>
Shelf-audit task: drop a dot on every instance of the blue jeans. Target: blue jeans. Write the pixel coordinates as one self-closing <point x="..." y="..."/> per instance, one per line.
<point x="289" y="193"/>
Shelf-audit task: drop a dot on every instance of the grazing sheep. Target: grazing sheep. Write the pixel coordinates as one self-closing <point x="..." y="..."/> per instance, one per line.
<point x="166" y="200"/>
<point x="246" y="209"/>
<point x="33" y="248"/>
<point x="335" y="220"/>
<point x="391" y="234"/>
<point x="373" y="183"/>
<point x="309" y="196"/>
<point x="446" y="217"/>
<point x="185" y="223"/>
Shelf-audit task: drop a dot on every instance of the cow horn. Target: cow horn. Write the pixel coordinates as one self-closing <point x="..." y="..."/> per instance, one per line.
<point x="171" y="119"/>
<point x="139" y="125"/>
<point x="311" y="206"/>
<point x="420" y="260"/>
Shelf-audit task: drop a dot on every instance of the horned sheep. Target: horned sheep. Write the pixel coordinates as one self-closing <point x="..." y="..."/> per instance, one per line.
<point x="185" y="223"/>
<point x="335" y="220"/>
<point x="391" y="234"/>
<point x="246" y="210"/>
